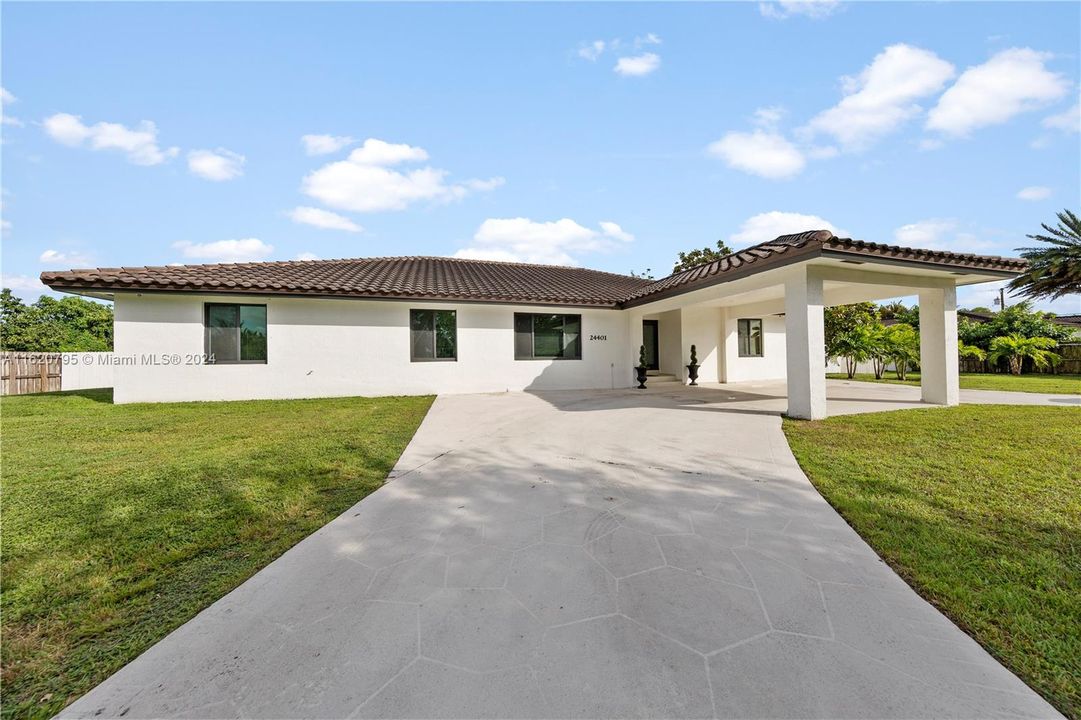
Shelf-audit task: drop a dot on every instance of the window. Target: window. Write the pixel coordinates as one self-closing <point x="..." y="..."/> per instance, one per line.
<point x="547" y="337"/>
<point x="433" y="335"/>
<point x="235" y="333"/>
<point x="750" y="338"/>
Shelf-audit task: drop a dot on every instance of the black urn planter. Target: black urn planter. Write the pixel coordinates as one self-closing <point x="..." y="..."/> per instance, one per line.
<point x="640" y="369"/>
<point x="692" y="373"/>
<point x="692" y="369"/>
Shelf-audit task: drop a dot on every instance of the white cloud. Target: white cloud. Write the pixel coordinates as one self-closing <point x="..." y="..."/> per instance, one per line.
<point x="613" y="230"/>
<point x="549" y="243"/>
<point x="307" y="256"/>
<point x="5" y="226"/>
<point x="1034" y="192"/>
<point x="56" y="258"/>
<point x="485" y="185"/>
<point x="6" y="98"/>
<point x="808" y="8"/>
<point x="325" y="144"/>
<point x="217" y="165"/>
<point x="592" y="51"/>
<point x="767" y="154"/>
<point x="324" y="219"/>
<point x="378" y="152"/>
<point x="1067" y="120"/>
<point x="637" y="65"/>
<point x="939" y="234"/>
<point x="882" y="96"/>
<point x="767" y="226"/>
<point x="140" y="145"/>
<point x="246" y="250"/>
<point x="365" y="183"/>
<point x="768" y="117"/>
<point x="822" y="152"/>
<point x="924" y="234"/>
<point x="1011" y="82"/>
<point x="647" y="39"/>
<point x="23" y="285"/>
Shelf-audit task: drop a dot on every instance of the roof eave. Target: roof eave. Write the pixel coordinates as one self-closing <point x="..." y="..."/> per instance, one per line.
<point x="262" y="292"/>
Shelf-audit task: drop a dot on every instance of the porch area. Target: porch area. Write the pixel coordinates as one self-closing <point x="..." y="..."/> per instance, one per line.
<point x="768" y="327"/>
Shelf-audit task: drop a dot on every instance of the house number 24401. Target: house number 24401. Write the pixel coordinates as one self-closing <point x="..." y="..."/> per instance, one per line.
<point x="598" y="337"/>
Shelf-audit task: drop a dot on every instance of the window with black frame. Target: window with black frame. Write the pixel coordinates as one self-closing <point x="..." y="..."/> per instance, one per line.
<point x="235" y="333"/>
<point x="433" y="335"/>
<point x="750" y="338"/>
<point x="547" y="337"/>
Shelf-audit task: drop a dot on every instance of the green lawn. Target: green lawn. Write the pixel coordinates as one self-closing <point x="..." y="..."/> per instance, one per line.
<point x="1037" y="383"/>
<point x="123" y="521"/>
<point x="979" y="509"/>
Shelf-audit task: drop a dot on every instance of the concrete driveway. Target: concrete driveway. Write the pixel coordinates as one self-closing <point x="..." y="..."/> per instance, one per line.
<point x="582" y="555"/>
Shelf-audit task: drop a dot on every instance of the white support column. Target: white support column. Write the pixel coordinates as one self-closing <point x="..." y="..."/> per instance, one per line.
<point x="634" y="340"/>
<point x="938" y="346"/>
<point x="805" y="344"/>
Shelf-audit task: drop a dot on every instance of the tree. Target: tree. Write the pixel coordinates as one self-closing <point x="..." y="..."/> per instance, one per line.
<point x="696" y="257"/>
<point x="849" y="333"/>
<point x="1056" y="270"/>
<point x="878" y="348"/>
<point x="1017" y="319"/>
<point x="854" y="345"/>
<point x="892" y="310"/>
<point x="646" y="274"/>
<point x="1015" y="348"/>
<point x="970" y="352"/>
<point x="902" y="347"/>
<point x="71" y="324"/>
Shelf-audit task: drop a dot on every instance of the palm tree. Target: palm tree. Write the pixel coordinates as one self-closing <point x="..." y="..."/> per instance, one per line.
<point x="892" y="310"/>
<point x="970" y="352"/>
<point x="854" y="346"/>
<point x="1056" y="270"/>
<point x="1015" y="348"/>
<point x="902" y="347"/>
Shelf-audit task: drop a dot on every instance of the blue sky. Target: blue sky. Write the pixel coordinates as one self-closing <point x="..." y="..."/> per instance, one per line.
<point x="605" y="135"/>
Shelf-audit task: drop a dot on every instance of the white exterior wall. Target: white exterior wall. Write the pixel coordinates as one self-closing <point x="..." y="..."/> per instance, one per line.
<point x="83" y="370"/>
<point x="702" y="327"/>
<point x="772" y="364"/>
<point x="670" y="344"/>
<point x="329" y="347"/>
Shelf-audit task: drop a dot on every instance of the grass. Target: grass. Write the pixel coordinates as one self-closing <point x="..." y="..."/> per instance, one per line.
<point x="979" y="509"/>
<point x="121" y="522"/>
<point x="1038" y="383"/>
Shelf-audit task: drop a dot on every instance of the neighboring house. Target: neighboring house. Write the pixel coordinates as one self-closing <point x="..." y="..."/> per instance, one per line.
<point x="1073" y="322"/>
<point x="410" y="325"/>
<point x="974" y="317"/>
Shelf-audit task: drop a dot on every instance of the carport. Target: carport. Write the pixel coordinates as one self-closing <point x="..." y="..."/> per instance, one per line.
<point x="784" y="286"/>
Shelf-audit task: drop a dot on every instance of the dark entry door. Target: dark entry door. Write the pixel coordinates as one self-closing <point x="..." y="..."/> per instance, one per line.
<point x="650" y="338"/>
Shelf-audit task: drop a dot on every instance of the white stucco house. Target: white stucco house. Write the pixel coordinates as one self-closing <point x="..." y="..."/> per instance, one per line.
<point x="420" y="325"/>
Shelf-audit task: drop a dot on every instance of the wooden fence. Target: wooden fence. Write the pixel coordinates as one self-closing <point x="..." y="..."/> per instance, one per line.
<point x="28" y="372"/>
<point x="1070" y="362"/>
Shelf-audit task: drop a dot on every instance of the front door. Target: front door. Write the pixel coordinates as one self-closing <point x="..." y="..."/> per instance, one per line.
<point x="650" y="339"/>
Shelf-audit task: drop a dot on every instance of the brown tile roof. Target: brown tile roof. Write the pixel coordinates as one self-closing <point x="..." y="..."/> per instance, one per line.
<point x="806" y="245"/>
<point x="439" y="278"/>
<point x="1067" y="320"/>
<point x="436" y="278"/>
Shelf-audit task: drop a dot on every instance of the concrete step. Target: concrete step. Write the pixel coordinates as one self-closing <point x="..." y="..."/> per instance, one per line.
<point x="661" y="378"/>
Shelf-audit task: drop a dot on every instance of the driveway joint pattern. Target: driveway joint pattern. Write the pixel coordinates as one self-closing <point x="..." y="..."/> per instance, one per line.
<point x="586" y="555"/>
